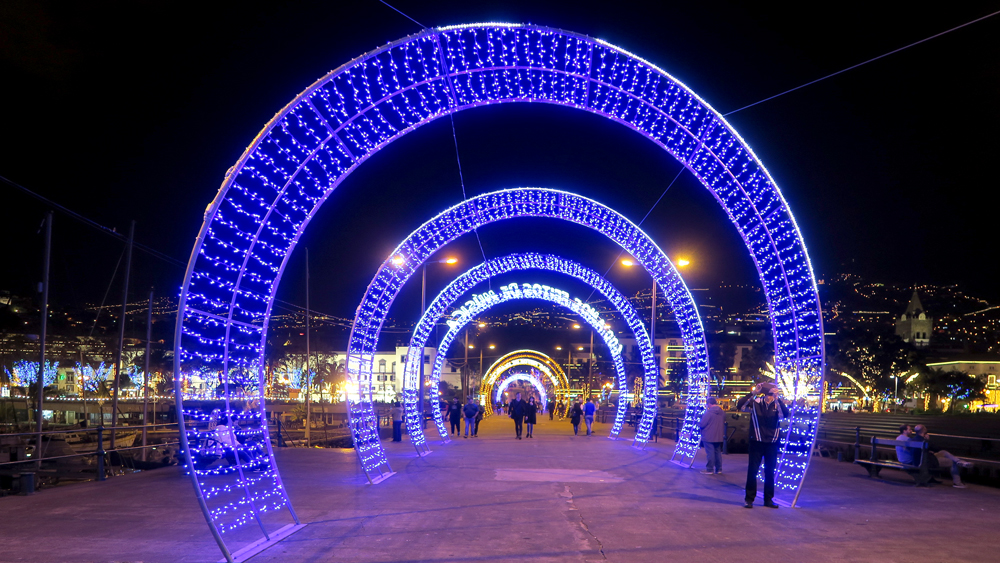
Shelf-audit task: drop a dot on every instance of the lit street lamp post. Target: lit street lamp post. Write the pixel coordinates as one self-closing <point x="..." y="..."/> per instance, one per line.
<point x="423" y="309"/>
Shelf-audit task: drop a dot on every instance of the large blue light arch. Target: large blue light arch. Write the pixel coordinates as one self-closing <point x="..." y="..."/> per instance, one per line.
<point x="485" y="209"/>
<point x="271" y="193"/>
<point x="513" y="263"/>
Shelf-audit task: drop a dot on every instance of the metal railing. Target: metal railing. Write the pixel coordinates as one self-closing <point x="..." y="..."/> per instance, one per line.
<point x="33" y="463"/>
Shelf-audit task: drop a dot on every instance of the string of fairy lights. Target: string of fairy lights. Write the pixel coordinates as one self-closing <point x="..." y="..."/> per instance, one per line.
<point x="311" y="146"/>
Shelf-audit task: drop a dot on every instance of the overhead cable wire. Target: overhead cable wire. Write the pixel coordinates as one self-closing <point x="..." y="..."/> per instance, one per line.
<point x="400" y="12"/>
<point x="871" y="60"/>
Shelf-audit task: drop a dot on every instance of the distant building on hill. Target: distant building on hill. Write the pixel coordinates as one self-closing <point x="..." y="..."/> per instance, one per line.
<point x="915" y="325"/>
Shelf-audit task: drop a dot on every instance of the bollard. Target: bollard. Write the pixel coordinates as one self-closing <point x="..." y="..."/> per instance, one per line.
<point x="27" y="484"/>
<point x="100" y="453"/>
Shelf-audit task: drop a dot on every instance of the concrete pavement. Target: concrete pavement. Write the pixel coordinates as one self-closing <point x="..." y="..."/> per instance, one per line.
<point x="553" y="498"/>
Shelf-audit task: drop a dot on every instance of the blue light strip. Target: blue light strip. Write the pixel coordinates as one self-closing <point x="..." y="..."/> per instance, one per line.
<point x="319" y="138"/>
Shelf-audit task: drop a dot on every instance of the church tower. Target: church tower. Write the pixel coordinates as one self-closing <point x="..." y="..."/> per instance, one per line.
<point x="914" y="326"/>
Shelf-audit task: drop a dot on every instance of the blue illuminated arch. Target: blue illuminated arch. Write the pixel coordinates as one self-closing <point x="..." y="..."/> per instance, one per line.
<point x="527" y="377"/>
<point x="512" y="263"/>
<point x="482" y="210"/>
<point x="533" y="359"/>
<point x="478" y="305"/>
<point x="269" y="196"/>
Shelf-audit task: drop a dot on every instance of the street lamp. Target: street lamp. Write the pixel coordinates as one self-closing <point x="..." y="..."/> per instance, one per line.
<point x="681" y="263"/>
<point x="398" y="261"/>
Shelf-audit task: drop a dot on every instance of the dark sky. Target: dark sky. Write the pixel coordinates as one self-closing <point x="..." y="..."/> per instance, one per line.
<point x="135" y="110"/>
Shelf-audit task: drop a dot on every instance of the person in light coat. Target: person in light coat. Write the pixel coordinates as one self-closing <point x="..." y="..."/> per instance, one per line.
<point x="713" y="433"/>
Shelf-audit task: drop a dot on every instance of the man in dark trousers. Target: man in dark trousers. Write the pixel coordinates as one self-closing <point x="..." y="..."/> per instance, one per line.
<point x="516" y="410"/>
<point x="550" y="406"/>
<point x="455" y="416"/>
<point x="766" y="410"/>
<point x="470" y="410"/>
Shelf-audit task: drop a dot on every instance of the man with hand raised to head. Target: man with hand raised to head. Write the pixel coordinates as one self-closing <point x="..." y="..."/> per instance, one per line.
<point x="766" y="411"/>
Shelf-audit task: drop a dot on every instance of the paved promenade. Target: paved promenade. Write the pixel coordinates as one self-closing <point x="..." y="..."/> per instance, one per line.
<point x="553" y="498"/>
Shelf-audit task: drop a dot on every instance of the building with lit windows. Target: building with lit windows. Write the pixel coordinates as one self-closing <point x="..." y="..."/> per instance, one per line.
<point x="985" y="367"/>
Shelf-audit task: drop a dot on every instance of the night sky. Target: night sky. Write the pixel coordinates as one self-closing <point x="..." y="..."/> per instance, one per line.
<point x="135" y="110"/>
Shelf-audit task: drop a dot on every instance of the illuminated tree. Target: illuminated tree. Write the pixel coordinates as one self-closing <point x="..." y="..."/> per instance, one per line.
<point x="949" y="387"/>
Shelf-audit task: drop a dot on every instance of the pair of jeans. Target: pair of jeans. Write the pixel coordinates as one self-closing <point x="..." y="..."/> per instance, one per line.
<point x="470" y="423"/>
<point x="768" y="453"/>
<point x="397" y="430"/>
<point x="714" y="451"/>
<point x="456" y="426"/>
<point x="530" y="427"/>
<point x="590" y="423"/>
<point x="576" y="429"/>
<point x="518" y="422"/>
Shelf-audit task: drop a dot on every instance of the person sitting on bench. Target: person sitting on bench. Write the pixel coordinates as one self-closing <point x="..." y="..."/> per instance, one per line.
<point x="940" y="457"/>
<point x="904" y="454"/>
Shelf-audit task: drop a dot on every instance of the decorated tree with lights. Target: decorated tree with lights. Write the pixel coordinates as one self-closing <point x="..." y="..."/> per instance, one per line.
<point x="873" y="360"/>
<point x="948" y="387"/>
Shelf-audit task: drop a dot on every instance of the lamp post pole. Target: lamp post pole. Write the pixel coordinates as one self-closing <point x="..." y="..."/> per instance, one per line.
<point x="423" y="351"/>
<point x="308" y="436"/>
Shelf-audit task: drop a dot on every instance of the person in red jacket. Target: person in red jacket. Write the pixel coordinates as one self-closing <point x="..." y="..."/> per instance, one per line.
<point x="766" y="410"/>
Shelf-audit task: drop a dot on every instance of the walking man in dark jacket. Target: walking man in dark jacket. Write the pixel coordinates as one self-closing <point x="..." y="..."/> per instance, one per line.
<point x="516" y="410"/>
<point x="713" y="432"/>
<point x="455" y="416"/>
<point x="470" y="410"/>
<point x="766" y="410"/>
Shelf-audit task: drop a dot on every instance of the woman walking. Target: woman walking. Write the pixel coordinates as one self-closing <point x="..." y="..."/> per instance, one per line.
<point x="530" y="410"/>
<point x="575" y="414"/>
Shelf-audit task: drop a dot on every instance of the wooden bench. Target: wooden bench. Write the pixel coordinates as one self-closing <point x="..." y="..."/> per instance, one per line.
<point x="874" y="465"/>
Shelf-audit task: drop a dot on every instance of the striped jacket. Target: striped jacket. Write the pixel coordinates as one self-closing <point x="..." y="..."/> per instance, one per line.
<point x="764" y="418"/>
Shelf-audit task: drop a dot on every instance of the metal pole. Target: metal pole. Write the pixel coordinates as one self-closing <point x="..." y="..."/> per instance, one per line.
<point x="44" y="329"/>
<point x="145" y="374"/>
<point x="121" y="333"/>
<point x="83" y="389"/>
<point x="465" y="366"/>
<point x="308" y="351"/>
<point x="420" y="378"/>
<point x="590" y="365"/>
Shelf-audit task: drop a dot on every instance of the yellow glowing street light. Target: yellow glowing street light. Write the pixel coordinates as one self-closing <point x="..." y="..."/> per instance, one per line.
<point x="451" y="260"/>
<point x="628" y="262"/>
<point x="681" y="262"/>
<point x="482" y="325"/>
<point x="580" y="348"/>
<point x="558" y="347"/>
<point x="492" y="346"/>
<point x="576" y="325"/>
<point x="471" y="346"/>
<point x="398" y="260"/>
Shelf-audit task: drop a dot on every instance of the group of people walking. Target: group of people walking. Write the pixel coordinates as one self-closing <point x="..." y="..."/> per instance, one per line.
<point x="472" y="412"/>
